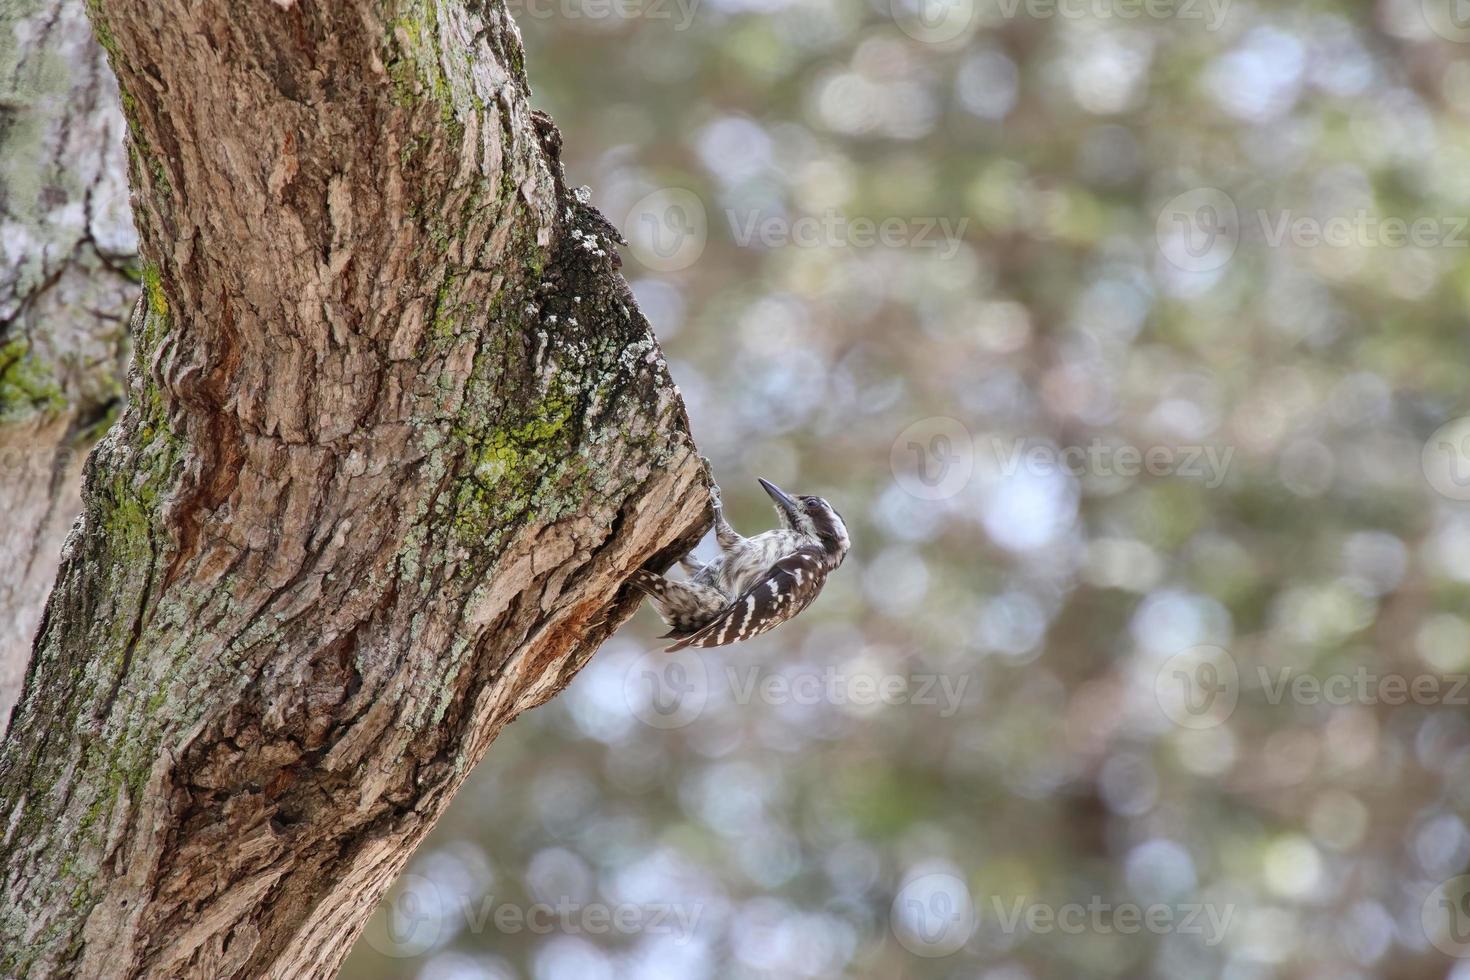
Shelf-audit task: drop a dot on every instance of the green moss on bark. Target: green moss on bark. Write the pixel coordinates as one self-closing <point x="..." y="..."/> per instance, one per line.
<point x="413" y="63"/>
<point x="153" y="283"/>
<point x="525" y="470"/>
<point x="27" y="385"/>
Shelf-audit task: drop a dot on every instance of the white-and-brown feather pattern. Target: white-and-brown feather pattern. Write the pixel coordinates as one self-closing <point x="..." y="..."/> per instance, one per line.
<point x="755" y="583"/>
<point x="787" y="587"/>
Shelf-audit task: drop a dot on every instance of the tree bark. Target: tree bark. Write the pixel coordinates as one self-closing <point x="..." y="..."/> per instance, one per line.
<point x="67" y="280"/>
<point x="395" y="436"/>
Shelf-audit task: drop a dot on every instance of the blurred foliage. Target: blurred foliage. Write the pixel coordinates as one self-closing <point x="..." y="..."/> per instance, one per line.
<point x="1136" y="269"/>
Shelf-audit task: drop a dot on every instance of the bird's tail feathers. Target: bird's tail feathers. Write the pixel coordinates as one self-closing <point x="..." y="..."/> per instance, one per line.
<point x="649" y="583"/>
<point x="656" y="588"/>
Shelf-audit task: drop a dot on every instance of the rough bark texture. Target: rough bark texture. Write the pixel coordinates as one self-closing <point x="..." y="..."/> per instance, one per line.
<point x="67" y="280"/>
<point x="395" y="436"/>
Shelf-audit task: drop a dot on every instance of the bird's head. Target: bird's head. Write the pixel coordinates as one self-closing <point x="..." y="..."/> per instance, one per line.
<point x="811" y="517"/>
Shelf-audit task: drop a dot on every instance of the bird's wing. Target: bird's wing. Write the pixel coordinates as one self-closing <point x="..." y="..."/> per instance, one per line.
<point x="787" y="587"/>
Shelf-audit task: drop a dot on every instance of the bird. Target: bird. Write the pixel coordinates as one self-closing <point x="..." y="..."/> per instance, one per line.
<point x="755" y="583"/>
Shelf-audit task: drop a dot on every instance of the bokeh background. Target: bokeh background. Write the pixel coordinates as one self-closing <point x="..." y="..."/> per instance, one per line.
<point x="1130" y="338"/>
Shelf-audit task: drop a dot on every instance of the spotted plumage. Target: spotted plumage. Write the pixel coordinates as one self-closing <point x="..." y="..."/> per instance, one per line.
<point x="755" y="583"/>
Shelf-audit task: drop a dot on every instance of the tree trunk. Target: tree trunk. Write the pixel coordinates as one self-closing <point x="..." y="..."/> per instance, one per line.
<point x="395" y="436"/>
<point x="66" y="248"/>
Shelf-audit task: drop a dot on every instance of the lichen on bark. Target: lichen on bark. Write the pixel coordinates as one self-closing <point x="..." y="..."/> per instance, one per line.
<point x="26" y="386"/>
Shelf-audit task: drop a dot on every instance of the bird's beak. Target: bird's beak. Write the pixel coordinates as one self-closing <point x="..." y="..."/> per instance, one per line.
<point x="791" y="507"/>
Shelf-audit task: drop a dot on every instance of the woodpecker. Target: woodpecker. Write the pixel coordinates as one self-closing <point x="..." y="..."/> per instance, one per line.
<point x="755" y="583"/>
